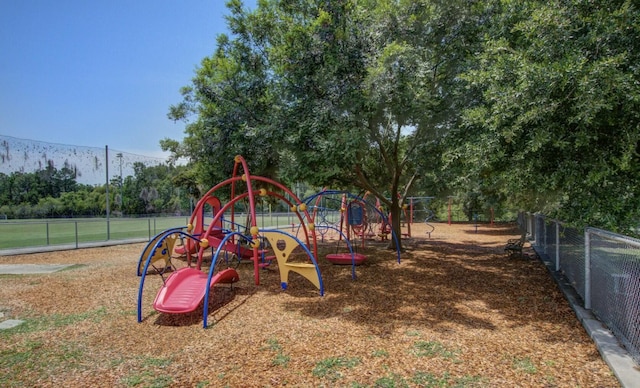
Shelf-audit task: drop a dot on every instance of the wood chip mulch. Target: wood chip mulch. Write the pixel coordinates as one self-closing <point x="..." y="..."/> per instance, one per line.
<point x="455" y="312"/>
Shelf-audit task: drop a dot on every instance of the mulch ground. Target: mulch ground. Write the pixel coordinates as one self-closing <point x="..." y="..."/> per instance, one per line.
<point x="455" y="312"/>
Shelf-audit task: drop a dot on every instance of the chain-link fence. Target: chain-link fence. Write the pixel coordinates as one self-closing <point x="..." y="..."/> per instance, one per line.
<point x="90" y="165"/>
<point x="40" y="235"/>
<point x="77" y="232"/>
<point x="602" y="267"/>
<point x="615" y="284"/>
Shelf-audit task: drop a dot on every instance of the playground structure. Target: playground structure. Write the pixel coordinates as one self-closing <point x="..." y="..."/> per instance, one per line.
<point x="407" y="213"/>
<point x="358" y="217"/>
<point x="353" y="220"/>
<point x="186" y="288"/>
<point x="420" y="205"/>
<point x="356" y="223"/>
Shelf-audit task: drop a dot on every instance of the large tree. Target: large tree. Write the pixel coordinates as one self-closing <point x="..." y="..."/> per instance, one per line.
<point x="556" y="125"/>
<point x="331" y="93"/>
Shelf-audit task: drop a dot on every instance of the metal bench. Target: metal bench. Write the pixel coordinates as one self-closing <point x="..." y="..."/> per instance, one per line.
<point x="514" y="246"/>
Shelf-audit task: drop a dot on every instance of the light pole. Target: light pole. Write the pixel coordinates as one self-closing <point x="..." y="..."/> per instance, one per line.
<point x="119" y="156"/>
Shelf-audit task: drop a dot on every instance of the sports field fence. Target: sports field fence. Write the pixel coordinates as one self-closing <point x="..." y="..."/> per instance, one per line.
<point x="77" y="232"/>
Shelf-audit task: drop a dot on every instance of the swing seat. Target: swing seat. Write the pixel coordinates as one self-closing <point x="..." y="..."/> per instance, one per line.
<point x="346" y="258"/>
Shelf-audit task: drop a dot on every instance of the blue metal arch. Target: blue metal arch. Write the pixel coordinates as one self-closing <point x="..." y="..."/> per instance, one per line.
<point x="163" y="235"/>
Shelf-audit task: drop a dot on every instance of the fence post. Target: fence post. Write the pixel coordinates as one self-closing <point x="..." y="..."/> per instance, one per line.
<point x="536" y="230"/>
<point x="106" y="164"/>
<point x="587" y="269"/>
<point x="532" y="225"/>
<point x="47" y="223"/>
<point x="544" y="231"/>
<point x="557" y="245"/>
<point x="149" y="227"/>
<point x="76" y="222"/>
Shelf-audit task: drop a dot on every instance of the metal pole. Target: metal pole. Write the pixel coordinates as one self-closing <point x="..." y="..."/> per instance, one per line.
<point x="587" y="270"/>
<point x="557" y="246"/>
<point x="106" y="158"/>
<point x="411" y="210"/>
<point x="119" y="156"/>
<point x="544" y="228"/>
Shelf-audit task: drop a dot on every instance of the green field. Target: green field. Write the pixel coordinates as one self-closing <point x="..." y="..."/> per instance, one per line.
<point x="31" y="233"/>
<point x="41" y="233"/>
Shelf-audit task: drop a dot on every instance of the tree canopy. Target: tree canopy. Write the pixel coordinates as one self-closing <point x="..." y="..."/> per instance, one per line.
<point x="556" y="122"/>
<point x="331" y="93"/>
<point x="530" y="103"/>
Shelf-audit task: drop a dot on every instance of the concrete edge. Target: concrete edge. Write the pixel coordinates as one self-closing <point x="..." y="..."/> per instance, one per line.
<point x="26" y="269"/>
<point x="612" y="352"/>
<point x="10" y="324"/>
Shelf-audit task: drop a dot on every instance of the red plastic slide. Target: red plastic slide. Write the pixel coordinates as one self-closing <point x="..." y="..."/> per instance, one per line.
<point x="185" y="289"/>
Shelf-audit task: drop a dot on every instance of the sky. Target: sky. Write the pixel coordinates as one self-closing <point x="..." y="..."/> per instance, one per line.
<point x="101" y="73"/>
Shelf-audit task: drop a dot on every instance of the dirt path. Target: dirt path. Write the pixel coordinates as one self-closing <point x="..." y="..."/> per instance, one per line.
<point x="454" y="312"/>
